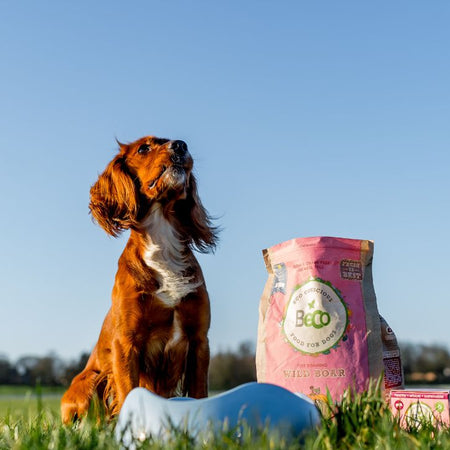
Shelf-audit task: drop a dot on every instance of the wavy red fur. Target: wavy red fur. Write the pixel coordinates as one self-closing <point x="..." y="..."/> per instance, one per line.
<point x="155" y="333"/>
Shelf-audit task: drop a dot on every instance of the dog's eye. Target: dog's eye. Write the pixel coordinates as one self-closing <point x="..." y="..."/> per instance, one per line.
<point x="143" y="149"/>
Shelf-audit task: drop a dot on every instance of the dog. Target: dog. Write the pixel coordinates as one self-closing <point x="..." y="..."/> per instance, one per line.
<point x="155" y="333"/>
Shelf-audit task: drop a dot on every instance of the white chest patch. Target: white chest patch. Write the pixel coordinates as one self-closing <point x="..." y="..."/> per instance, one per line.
<point x="165" y="254"/>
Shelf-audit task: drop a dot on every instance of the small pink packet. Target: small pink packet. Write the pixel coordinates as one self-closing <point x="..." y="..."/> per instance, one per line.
<point x="417" y="407"/>
<point x="319" y="326"/>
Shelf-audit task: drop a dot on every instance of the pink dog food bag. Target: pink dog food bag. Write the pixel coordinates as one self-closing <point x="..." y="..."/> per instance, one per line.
<point x="319" y="325"/>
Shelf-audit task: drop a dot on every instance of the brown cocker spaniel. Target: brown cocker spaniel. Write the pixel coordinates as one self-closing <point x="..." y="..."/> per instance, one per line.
<point x="155" y="334"/>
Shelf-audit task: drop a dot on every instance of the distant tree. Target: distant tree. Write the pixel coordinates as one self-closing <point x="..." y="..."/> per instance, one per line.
<point x="433" y="358"/>
<point x="73" y="368"/>
<point x="34" y="370"/>
<point x="229" y="369"/>
<point x="8" y="373"/>
<point x="426" y="358"/>
<point x="44" y="371"/>
<point x="24" y="366"/>
<point x="409" y="354"/>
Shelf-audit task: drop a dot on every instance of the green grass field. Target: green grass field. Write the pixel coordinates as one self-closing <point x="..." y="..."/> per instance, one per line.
<point x="28" y="421"/>
<point x="22" y="401"/>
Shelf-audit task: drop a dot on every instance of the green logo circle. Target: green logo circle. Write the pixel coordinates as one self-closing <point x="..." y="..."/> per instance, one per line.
<point x="439" y="407"/>
<point x="316" y="317"/>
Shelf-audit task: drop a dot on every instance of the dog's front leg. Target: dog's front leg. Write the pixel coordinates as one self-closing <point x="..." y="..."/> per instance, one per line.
<point x="197" y="367"/>
<point x="125" y="370"/>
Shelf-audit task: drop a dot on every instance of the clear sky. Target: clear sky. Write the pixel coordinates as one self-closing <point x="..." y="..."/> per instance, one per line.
<point x="305" y="118"/>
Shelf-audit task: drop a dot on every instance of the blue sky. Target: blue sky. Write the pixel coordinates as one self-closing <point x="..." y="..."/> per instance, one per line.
<point x="304" y="119"/>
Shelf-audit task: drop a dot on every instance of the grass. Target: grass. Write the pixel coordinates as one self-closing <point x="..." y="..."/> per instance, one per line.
<point x="358" y="422"/>
<point x="20" y="401"/>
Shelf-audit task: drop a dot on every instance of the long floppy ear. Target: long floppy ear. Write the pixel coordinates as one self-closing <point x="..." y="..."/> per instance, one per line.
<point x="195" y="221"/>
<point x="114" y="204"/>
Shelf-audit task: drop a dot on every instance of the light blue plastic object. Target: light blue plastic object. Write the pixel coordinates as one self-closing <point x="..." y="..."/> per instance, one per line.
<point x="145" y="414"/>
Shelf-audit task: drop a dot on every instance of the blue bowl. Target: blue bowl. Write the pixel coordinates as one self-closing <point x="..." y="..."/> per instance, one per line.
<point x="145" y="414"/>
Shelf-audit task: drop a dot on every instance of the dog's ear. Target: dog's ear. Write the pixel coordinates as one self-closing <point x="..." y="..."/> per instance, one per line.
<point x="114" y="202"/>
<point x="195" y="221"/>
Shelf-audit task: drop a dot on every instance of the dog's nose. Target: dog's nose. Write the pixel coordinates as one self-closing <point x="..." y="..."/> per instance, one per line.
<point x="179" y="147"/>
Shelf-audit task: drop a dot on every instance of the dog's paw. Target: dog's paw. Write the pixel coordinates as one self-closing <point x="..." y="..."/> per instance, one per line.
<point x="72" y="410"/>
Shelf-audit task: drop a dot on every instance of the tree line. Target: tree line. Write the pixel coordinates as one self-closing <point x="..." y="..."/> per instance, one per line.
<point x="427" y="364"/>
<point x="422" y="364"/>
<point x="49" y="370"/>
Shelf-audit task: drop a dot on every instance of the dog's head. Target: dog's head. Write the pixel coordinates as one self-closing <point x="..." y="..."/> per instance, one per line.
<point x="162" y="167"/>
<point x="146" y="171"/>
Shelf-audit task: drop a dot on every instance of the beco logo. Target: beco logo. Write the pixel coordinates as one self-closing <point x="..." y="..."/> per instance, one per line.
<point x="316" y="317"/>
